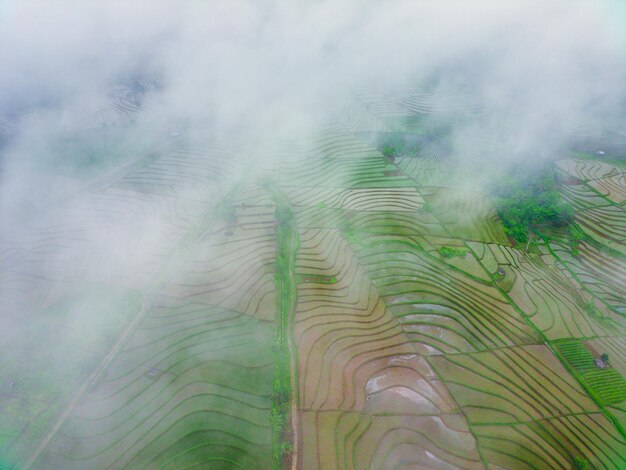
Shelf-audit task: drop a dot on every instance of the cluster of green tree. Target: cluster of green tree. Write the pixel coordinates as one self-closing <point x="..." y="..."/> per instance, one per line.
<point x="527" y="199"/>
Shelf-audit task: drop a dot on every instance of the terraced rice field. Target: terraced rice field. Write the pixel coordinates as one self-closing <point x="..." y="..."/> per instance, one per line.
<point x="467" y="215"/>
<point x="512" y="385"/>
<point x="551" y="300"/>
<point x="582" y="196"/>
<point x="356" y="364"/>
<point x="393" y="339"/>
<point x="182" y="373"/>
<point x="192" y="383"/>
<point x="191" y="386"/>
<point x="329" y="308"/>
<point x="588" y="170"/>
<point x="605" y="225"/>
<point x="612" y="187"/>
<point x="441" y="309"/>
<point x="607" y="384"/>
<point x="550" y="443"/>
<point x="600" y="273"/>
<point x="406" y="109"/>
<point x="352" y="440"/>
<point x="120" y="107"/>
<point x="599" y="202"/>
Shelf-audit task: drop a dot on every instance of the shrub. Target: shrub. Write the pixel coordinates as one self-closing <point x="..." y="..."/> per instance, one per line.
<point x="281" y="392"/>
<point x="451" y="252"/>
<point x="389" y="151"/>
<point x="283" y="449"/>
<point x="580" y="463"/>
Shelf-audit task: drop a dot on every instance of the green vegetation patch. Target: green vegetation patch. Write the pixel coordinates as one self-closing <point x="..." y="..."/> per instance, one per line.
<point x="607" y="384"/>
<point x="284" y="279"/>
<point x="452" y="252"/>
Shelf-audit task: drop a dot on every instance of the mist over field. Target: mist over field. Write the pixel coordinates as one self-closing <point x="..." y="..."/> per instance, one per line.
<point x="232" y="67"/>
<point x="135" y="137"/>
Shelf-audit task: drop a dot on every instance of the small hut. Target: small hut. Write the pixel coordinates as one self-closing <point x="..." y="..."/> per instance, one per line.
<point x="600" y="364"/>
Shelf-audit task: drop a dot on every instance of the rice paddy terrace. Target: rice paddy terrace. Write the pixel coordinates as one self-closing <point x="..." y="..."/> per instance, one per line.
<point x="335" y="308"/>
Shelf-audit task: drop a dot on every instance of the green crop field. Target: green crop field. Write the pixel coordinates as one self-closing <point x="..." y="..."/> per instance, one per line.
<point x="341" y="306"/>
<point x="312" y="235"/>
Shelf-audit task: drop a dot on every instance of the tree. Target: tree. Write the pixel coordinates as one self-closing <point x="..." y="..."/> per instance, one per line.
<point x="389" y="152"/>
<point x="605" y="358"/>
